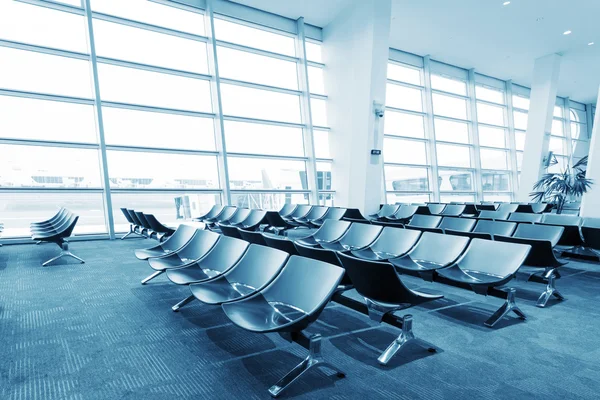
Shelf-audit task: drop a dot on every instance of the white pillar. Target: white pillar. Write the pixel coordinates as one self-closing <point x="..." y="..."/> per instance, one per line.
<point x="590" y="205"/>
<point x="542" y="100"/>
<point x="356" y="50"/>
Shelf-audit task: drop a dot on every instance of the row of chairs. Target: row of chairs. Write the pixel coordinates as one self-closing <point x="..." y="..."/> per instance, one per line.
<point x="145" y="225"/>
<point x="56" y="230"/>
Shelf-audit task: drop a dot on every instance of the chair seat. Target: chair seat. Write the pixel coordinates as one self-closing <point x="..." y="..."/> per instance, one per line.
<point x="368" y="254"/>
<point x="335" y="246"/>
<point x="307" y="241"/>
<point x="469" y="277"/>
<point x="144" y="254"/>
<point x="190" y="274"/>
<point x="169" y="262"/>
<point x="408" y="264"/>
<point x="256" y="314"/>
<point x="219" y="291"/>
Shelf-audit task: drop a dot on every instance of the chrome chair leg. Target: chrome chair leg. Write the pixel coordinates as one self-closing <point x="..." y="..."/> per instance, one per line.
<point x="549" y="292"/>
<point x="314" y="359"/>
<point x="131" y="232"/>
<point x="154" y="275"/>
<point x="508" y="306"/>
<point x="63" y="253"/>
<point x="406" y="336"/>
<point x="182" y="303"/>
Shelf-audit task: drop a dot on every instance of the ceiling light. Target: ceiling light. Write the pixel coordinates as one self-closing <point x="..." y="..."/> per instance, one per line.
<point x="506" y="3"/>
<point x="566" y="32"/>
<point x="590" y="43"/>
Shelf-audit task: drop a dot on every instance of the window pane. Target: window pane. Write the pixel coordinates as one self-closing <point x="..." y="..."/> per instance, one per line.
<point x="557" y="127"/>
<point x="253" y="37"/>
<point x="267" y="201"/>
<point x="257" y="173"/>
<point x="455" y="180"/>
<point x="580" y="149"/>
<point x="145" y="170"/>
<point x="32" y="119"/>
<point x="494" y="159"/>
<point x="578" y="116"/>
<point x="149" y="129"/>
<point x="244" y="66"/>
<point x="558" y="112"/>
<point x="313" y="52"/>
<point x="519" y="160"/>
<point x="404" y="151"/>
<point x="318" y="109"/>
<point x="404" y="74"/>
<point x="453" y="156"/>
<point x="246" y="137"/>
<point x="327" y="199"/>
<point x="520" y="140"/>
<point x="43" y="73"/>
<point x="407" y="198"/>
<point x="315" y="80"/>
<point x="520" y="102"/>
<point x="406" y="179"/>
<point x="323" y="176"/>
<point x="503" y="198"/>
<point x="558" y="145"/>
<point x="42" y="26"/>
<point x="402" y="124"/>
<point x="579" y="131"/>
<point x="449" y="106"/>
<point x="490" y="114"/>
<point x="559" y="167"/>
<point x="260" y="104"/>
<point x="451" y="131"/>
<point x="135" y="86"/>
<point x="463" y="198"/>
<point x="48" y="167"/>
<point x="495" y="181"/>
<point x="321" y="139"/>
<point x="153" y="13"/>
<point x="492" y="137"/>
<point x="488" y="94"/>
<point x="147" y="47"/>
<point x="448" y="85"/>
<point x="520" y="120"/>
<point x="19" y="209"/>
<point x="403" y="97"/>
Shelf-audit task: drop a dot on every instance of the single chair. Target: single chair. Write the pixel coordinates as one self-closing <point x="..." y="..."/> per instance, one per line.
<point x="162" y="231"/>
<point x="384" y="212"/>
<point x="212" y="213"/>
<point x="493" y="215"/>
<point x="333" y="213"/>
<point x="279" y="242"/>
<point x="255" y="237"/>
<point x="392" y="243"/>
<point x="300" y="211"/>
<point x="402" y="215"/>
<point x="358" y="236"/>
<point x="182" y="235"/>
<point x="453" y="210"/>
<point x="457" y="224"/>
<point x="59" y="235"/>
<point x="495" y="227"/>
<point x="436" y="208"/>
<point x="287" y="209"/>
<point x="315" y="214"/>
<point x="425" y="221"/>
<point x="571" y="235"/>
<point x="508" y="208"/>
<point x="255" y="219"/>
<point x="330" y="231"/>
<point x="229" y="230"/>
<point x="133" y="228"/>
<point x="531" y="217"/>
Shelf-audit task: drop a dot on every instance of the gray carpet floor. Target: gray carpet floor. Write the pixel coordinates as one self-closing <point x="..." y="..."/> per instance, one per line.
<point x="91" y="331"/>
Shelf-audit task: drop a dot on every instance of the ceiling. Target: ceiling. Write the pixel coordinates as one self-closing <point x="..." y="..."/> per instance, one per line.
<point x="496" y="40"/>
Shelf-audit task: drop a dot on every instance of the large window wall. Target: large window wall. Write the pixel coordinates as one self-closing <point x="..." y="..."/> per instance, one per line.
<point x="108" y="103"/>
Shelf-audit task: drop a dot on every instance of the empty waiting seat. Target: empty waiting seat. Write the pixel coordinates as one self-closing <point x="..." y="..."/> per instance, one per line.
<point x="333" y="213"/>
<point x="354" y="214"/>
<point x="571" y="235"/>
<point x="225" y="214"/>
<point x="139" y="223"/>
<point x="315" y="214"/>
<point x="508" y="208"/>
<point x="147" y="228"/>
<point x="287" y="209"/>
<point x="182" y="235"/>
<point x="425" y="221"/>
<point x="457" y="224"/>
<point x="213" y="213"/>
<point x="277" y="223"/>
<point x="403" y="214"/>
<point x="486" y="207"/>
<point x="453" y="210"/>
<point x="162" y="231"/>
<point x="537" y="208"/>
<point x="488" y="264"/>
<point x="385" y="293"/>
<point x="525" y="217"/>
<point x="253" y="220"/>
<point x="299" y="212"/>
<point x="237" y="218"/>
<point x="279" y="242"/>
<point x="133" y="227"/>
<point x="392" y="243"/>
<point x="503" y="228"/>
<point x="58" y="234"/>
<point x="436" y="208"/>
<point x="330" y="231"/>
<point x="255" y="237"/>
<point x="384" y="212"/>
<point x="358" y="236"/>
<point x="286" y="306"/>
<point x="495" y="215"/>
<point x="229" y="230"/>
<point x="49" y="222"/>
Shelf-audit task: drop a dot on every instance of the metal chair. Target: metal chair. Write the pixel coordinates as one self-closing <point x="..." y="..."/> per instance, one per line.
<point x="162" y="231"/>
<point x="182" y="235"/>
<point x="457" y="224"/>
<point x="525" y="217"/>
<point x="212" y="213"/>
<point x="333" y="213"/>
<point x="494" y="228"/>
<point x="228" y="230"/>
<point x="51" y="221"/>
<point x="453" y="210"/>
<point x="508" y="208"/>
<point x="59" y="235"/>
<point x="353" y="215"/>
<point x="253" y="221"/>
<point x="403" y="214"/>
<point x="139" y="223"/>
<point x="300" y="211"/>
<point x="287" y="209"/>
<point x="392" y="243"/>
<point x="255" y="237"/>
<point x="436" y="208"/>
<point x="133" y="228"/>
<point x="384" y="212"/>
<point x="358" y="236"/>
<point x="425" y="221"/>
<point x="279" y="242"/>
<point x="315" y="214"/>
<point x="493" y="215"/>
<point x="571" y="235"/>
<point x="330" y="231"/>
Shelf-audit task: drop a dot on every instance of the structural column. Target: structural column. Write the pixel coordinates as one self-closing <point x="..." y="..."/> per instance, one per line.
<point x="541" y="108"/>
<point x="356" y="51"/>
<point x="590" y="206"/>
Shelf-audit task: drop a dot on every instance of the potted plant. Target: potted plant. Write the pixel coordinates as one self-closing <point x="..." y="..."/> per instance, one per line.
<point x="558" y="188"/>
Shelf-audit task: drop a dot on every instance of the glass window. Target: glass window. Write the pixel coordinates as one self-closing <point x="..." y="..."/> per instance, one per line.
<point x="146" y="170"/>
<point x="492" y="137"/>
<point x="314" y="52"/>
<point x="267" y="201"/>
<point x="490" y="114"/>
<point x="126" y="43"/>
<point x="453" y="156"/>
<point x="448" y="85"/>
<point x="557" y="127"/>
<point x="135" y="86"/>
<point x="578" y="116"/>
<point x="489" y="94"/>
<point x="321" y="142"/>
<point x="558" y="145"/>
<point x="260" y="104"/>
<point x="44" y="73"/>
<point x="403" y="97"/>
<point x="520" y="140"/>
<point x="558" y="111"/>
<point x="257" y="173"/>
<point x="494" y="181"/>
<point x="455" y="180"/>
<point x="560" y="166"/>
<point x="451" y="131"/>
<point x="318" y="111"/>
<point x="52" y="120"/>
<point x="519" y="160"/>
<point x="406" y="179"/>
<point x="48" y="167"/>
<point x="153" y="13"/>
<point x="252" y="37"/>
<point x="520" y="102"/>
<point x="404" y="151"/>
<point x="324" y="176"/>
<point x="500" y="198"/>
<point x="494" y="159"/>
<point x="247" y="137"/>
<point x="415" y="198"/>
<point x="448" y="106"/>
<point x="580" y="149"/>
<point x="124" y="127"/>
<point x="316" y="80"/>
<point x="462" y="198"/>
<point x="403" y="124"/>
<point x="249" y="67"/>
<point x="579" y="131"/>
<point x="520" y="120"/>
<point x="32" y="24"/>
<point x="403" y="73"/>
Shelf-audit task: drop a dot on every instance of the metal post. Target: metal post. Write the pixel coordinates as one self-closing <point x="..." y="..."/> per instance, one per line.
<point x="430" y="131"/>
<point x="512" y="139"/>
<point x="476" y="151"/>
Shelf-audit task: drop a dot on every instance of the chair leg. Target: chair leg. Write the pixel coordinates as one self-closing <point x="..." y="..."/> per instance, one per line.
<point x="314" y="359"/>
<point x="549" y="292"/>
<point x="131" y="232"/>
<point x="406" y="336"/>
<point x="508" y="306"/>
<point x="63" y="253"/>
<point x="154" y="275"/>
<point x="183" y="302"/>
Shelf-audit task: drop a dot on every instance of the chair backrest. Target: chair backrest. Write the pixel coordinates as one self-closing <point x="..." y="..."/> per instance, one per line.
<point x="275" y="219"/>
<point x="179" y="238"/>
<point x="439" y="248"/>
<point x="503" y="228"/>
<point x="125" y="214"/>
<point x="405" y="211"/>
<point x="472" y="235"/>
<point x="387" y="210"/>
<point x="140" y="216"/>
<point x="135" y="218"/>
<point x="486" y="207"/>
<point x="199" y="245"/>
<point x="224" y="255"/>
<point x="591" y="223"/>
<point x="508" y="208"/>
<point x="60" y="214"/>
<point x="524" y="208"/>
<point x="68" y="230"/>
<point x="334" y="213"/>
<point x="458" y="224"/>
<point x="496" y="215"/>
<point x="499" y="259"/>
<point x="227" y="213"/>
<point x="360" y="235"/>
<point x="155" y="225"/>
<point x="561" y="219"/>
<point x="214" y="212"/>
<point x="305" y="284"/>
<point x="453" y="210"/>
<point x="254" y="219"/>
<point x="425" y="221"/>
<point x="316" y="253"/>
<point x="301" y="211"/>
<point x="436" y="209"/>
<point x="258" y="267"/>
<point x="240" y="215"/>
<point x="395" y="240"/>
<point x="540" y="232"/>
<point x="331" y="230"/>
<point x="539" y="208"/>
<point x="316" y="213"/>
<point x="252" y="237"/>
<point x="287" y="209"/>
<point x="470" y="209"/>
<point x="354" y="213"/>
<point x="280" y="242"/>
<point x="525" y="217"/>
<point x="230" y="231"/>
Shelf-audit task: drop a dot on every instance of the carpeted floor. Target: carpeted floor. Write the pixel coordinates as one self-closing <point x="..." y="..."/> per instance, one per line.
<point x="91" y="331"/>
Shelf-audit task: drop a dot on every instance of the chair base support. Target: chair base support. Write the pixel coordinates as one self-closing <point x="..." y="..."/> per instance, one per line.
<point x="154" y="275"/>
<point x="406" y="337"/>
<point x="63" y="253"/>
<point x="314" y="359"/>
<point x="182" y="303"/>
<point x="132" y="232"/>
<point x="550" y="290"/>
<point x="508" y="306"/>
